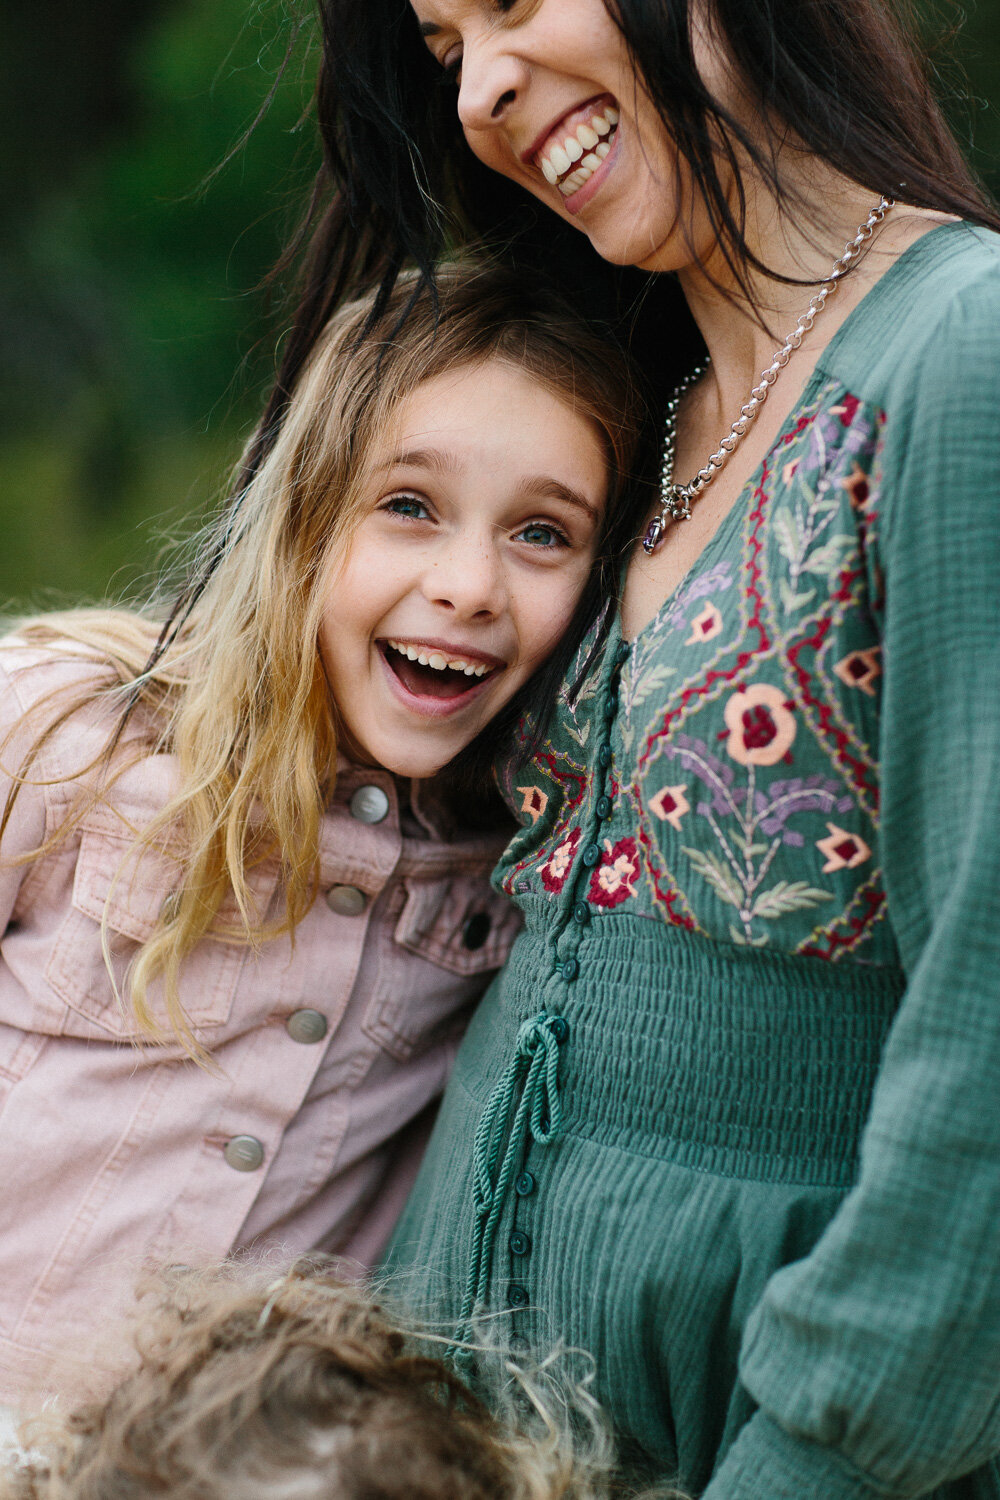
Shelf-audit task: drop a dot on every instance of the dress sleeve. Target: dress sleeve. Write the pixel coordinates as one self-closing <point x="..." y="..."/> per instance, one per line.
<point x="875" y="1361"/>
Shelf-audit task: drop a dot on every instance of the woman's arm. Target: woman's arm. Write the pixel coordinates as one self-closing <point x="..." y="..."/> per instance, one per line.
<point x="876" y="1360"/>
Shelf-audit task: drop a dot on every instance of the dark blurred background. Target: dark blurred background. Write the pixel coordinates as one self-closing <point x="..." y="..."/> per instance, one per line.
<point x="135" y="340"/>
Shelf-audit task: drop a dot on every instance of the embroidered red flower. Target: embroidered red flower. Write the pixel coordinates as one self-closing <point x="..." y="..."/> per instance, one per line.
<point x="706" y="625"/>
<point x="614" y="879"/>
<point x="556" y="868"/>
<point x="761" y="725"/>
<point x="670" y="804"/>
<point x="847" y="410"/>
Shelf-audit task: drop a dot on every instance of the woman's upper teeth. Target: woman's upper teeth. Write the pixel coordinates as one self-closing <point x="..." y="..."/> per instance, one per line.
<point x="584" y="148"/>
<point x="429" y="656"/>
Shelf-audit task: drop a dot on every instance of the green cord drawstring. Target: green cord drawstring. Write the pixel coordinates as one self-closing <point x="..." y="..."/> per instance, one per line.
<point x="534" y="1068"/>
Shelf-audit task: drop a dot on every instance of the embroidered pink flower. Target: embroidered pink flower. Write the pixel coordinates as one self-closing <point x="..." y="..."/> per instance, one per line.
<point x="559" y="863"/>
<point x="761" y="725"/>
<point x="533" y="801"/>
<point x="860" y="668"/>
<point x="614" y="879"/>
<point x="706" y="625"/>
<point x="843" y="850"/>
<point x="670" y="805"/>
<point x="858" y="488"/>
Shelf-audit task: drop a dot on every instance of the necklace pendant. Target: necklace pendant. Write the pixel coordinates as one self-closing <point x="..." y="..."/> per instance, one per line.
<point x="653" y="535"/>
<point x="677" y="502"/>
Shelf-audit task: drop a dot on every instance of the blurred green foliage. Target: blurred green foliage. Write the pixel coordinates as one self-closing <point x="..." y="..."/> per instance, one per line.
<point x="135" y="344"/>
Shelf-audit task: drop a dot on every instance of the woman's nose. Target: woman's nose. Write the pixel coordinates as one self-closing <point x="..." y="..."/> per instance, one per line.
<point x="493" y="79"/>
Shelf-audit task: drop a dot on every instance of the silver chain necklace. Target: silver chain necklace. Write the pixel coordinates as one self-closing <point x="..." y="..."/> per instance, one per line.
<point x="676" y="499"/>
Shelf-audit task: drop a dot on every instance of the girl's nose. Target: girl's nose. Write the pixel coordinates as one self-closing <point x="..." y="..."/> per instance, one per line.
<point x="493" y="79"/>
<point x="468" y="582"/>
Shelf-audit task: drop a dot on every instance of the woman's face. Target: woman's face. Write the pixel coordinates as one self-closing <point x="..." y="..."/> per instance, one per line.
<point x="548" y="97"/>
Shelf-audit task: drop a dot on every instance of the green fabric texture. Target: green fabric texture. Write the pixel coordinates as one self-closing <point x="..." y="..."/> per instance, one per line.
<point x="759" y="867"/>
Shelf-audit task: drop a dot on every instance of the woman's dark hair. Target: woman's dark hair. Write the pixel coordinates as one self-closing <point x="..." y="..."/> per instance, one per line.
<point x="850" y="79"/>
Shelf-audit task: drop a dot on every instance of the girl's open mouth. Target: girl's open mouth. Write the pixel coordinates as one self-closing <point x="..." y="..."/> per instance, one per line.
<point x="578" y="145"/>
<point x="430" y="672"/>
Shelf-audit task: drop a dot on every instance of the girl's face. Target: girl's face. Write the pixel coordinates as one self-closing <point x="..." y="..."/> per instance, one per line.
<point x="548" y="96"/>
<point x="478" y="531"/>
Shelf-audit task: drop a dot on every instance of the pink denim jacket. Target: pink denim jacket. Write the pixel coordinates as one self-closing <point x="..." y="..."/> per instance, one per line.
<point x="330" y="1049"/>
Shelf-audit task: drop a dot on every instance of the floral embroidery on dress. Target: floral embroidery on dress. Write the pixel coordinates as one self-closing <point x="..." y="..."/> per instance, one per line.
<point x="745" y="798"/>
<point x="761" y="725"/>
<point x="534" y="801"/>
<point x="555" y="870"/>
<point x="614" y="879"/>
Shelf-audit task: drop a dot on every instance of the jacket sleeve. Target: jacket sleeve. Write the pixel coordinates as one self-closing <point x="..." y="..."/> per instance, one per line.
<point x="875" y="1361"/>
<point x="26" y="827"/>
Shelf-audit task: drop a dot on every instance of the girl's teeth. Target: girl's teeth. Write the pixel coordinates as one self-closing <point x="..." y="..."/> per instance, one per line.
<point x="591" y="162"/>
<point x="600" y="124"/>
<point x="587" y="137"/>
<point x="572" y="148"/>
<point x="549" y="172"/>
<point x="602" y="150"/>
<point x="438" y="661"/>
<point x="560" y="160"/>
<point x="611" y="115"/>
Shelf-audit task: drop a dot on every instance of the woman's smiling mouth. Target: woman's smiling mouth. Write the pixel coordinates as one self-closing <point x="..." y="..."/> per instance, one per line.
<point x="576" y="147"/>
<point x="433" y="678"/>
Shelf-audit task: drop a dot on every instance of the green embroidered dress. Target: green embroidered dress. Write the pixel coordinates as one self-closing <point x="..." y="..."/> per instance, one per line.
<point x="730" y="1118"/>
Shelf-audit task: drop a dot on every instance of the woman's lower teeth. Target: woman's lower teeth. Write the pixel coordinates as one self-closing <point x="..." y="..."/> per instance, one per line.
<point x="583" y="173"/>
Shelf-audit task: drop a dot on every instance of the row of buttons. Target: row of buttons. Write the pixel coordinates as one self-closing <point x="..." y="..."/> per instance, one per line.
<point x="525" y="1183"/>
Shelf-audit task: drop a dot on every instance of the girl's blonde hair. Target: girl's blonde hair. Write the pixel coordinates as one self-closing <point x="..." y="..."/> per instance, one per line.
<point x="304" y="1388"/>
<point x="237" y="693"/>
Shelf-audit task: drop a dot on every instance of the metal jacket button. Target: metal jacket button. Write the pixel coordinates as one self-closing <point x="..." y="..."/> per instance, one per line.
<point x="369" y="804"/>
<point x="307" y="1026"/>
<point x="346" y="900"/>
<point x="591" y="854"/>
<point x="476" y="931"/>
<point x="519" y="1242"/>
<point x="524" y="1184"/>
<point x="244" y="1153"/>
<point x="517" y="1295"/>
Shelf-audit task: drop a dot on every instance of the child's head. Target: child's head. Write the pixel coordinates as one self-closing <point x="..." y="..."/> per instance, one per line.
<point x="303" y="1390"/>
<point x="432" y="508"/>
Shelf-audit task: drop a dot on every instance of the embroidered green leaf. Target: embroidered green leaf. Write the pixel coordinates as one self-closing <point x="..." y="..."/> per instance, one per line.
<point x="754" y="849"/>
<point x="786" y="529"/>
<point x="580" y="735"/>
<point x="742" y="941"/>
<point x="831" y="556"/>
<point x="719" y="876"/>
<point x="787" y="896"/>
<point x="651" y="682"/>
<point x="791" y="600"/>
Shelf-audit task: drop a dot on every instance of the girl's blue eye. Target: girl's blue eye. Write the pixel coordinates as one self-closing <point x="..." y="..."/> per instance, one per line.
<point x="408" y="506"/>
<point x="537" y="535"/>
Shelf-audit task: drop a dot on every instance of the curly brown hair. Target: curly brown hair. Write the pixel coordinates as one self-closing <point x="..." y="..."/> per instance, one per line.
<point x="301" y="1389"/>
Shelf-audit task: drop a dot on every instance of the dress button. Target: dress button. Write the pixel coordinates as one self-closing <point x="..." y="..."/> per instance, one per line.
<point x="581" y="913"/>
<point x="476" y="931"/>
<point x="519" y="1243"/>
<point x="346" y="900"/>
<point x="624" y="651"/>
<point x="591" y="854"/>
<point x="307" y="1026"/>
<point x="570" y="968"/>
<point x="611" y="705"/>
<point x="244" y="1153"/>
<point x="517" y="1295"/>
<point x="603" y="808"/>
<point x="604" y="754"/>
<point x="524" y="1184"/>
<point x="369" y="804"/>
<point x="559" y="1028"/>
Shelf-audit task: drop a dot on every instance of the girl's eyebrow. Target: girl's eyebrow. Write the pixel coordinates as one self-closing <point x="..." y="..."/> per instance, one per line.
<point x="536" y="486"/>
<point x="547" y="488"/>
